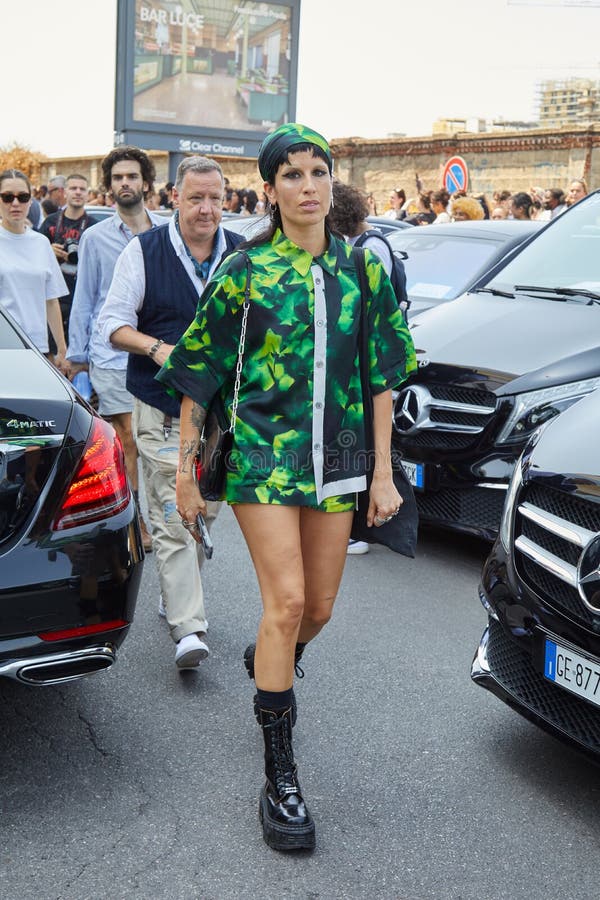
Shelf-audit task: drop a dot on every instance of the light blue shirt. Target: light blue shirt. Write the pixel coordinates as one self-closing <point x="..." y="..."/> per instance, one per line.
<point x="98" y="254"/>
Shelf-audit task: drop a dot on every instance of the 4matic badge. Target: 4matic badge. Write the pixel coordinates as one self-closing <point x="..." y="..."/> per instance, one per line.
<point x="28" y="424"/>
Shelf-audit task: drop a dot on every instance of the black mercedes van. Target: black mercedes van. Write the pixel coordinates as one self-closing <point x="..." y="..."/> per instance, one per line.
<point x="493" y="365"/>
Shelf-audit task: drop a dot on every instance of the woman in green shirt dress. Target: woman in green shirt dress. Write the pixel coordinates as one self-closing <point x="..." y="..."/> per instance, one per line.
<point x="299" y="452"/>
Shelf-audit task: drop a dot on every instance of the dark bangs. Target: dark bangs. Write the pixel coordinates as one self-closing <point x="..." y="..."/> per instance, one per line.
<point x="301" y="148"/>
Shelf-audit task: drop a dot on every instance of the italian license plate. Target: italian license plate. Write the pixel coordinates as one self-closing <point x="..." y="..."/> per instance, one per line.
<point x="570" y="670"/>
<point x="415" y="472"/>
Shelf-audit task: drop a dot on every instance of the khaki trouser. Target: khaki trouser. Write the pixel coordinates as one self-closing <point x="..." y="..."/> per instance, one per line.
<point x="178" y="557"/>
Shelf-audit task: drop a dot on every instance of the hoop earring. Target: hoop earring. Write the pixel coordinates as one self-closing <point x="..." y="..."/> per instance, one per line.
<point x="332" y="203"/>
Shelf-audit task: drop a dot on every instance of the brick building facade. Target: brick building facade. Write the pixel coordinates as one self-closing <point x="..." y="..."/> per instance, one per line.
<point x="514" y="161"/>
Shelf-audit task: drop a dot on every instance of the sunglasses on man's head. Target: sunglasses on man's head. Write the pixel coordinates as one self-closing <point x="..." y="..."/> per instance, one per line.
<point x="9" y="197"/>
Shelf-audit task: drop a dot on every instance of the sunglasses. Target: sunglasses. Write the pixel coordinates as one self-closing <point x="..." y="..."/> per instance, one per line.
<point x="9" y="197"/>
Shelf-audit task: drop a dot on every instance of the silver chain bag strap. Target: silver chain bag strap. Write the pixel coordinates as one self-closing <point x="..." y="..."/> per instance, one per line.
<point x="217" y="442"/>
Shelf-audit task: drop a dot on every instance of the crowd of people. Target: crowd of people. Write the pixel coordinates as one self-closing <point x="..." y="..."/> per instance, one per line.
<point x="428" y="207"/>
<point x="423" y="208"/>
<point x="48" y="199"/>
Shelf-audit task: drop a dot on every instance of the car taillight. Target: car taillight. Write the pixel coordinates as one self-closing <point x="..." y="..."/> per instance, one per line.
<point x="99" y="488"/>
<point x="82" y="631"/>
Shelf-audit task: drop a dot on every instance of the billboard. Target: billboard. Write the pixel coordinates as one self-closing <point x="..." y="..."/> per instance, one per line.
<point x="205" y="76"/>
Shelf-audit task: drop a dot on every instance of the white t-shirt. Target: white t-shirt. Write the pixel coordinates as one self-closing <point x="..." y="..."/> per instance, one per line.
<point x="29" y="276"/>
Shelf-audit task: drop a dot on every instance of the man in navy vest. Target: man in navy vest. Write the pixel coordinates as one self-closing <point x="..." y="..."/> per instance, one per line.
<point x="152" y="299"/>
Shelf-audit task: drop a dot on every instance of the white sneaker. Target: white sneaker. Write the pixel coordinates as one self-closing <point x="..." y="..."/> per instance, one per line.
<point x="191" y="650"/>
<point x="357" y="548"/>
<point x="161" y="608"/>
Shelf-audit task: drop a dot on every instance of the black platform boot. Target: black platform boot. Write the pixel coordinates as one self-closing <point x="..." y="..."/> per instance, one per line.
<point x="287" y="823"/>
<point x="249" y="664"/>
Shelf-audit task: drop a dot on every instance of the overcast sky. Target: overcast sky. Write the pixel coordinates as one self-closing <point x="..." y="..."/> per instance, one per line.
<point x="365" y="69"/>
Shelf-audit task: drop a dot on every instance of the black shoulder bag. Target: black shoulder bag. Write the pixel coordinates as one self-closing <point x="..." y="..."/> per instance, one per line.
<point x="400" y="533"/>
<point x="216" y="443"/>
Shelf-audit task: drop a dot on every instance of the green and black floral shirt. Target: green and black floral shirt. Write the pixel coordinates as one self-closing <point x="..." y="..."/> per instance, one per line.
<point x="299" y="428"/>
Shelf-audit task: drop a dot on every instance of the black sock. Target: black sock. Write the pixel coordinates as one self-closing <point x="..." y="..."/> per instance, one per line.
<point x="276" y="701"/>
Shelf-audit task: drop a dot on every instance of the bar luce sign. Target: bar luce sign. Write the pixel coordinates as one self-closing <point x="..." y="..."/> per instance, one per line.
<point x="220" y="73"/>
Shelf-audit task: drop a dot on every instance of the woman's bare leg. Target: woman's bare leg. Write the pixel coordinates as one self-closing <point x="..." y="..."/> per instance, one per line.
<point x="324" y="539"/>
<point x="272" y="534"/>
<point x="299" y="556"/>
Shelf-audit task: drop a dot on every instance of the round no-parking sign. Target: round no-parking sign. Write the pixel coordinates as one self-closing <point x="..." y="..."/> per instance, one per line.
<point x="456" y="175"/>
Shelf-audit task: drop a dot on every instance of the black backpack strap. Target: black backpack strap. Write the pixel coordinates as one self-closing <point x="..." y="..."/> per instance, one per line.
<point x="397" y="275"/>
<point x="372" y="233"/>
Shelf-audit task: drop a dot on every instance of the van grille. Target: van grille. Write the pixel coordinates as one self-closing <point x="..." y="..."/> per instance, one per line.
<point x="552" y="528"/>
<point x="457" y="394"/>
<point x="476" y="508"/>
<point x="442" y="416"/>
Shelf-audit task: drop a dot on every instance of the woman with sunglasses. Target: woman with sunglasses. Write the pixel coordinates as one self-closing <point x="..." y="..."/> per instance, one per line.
<point x="30" y="279"/>
<point x="299" y="451"/>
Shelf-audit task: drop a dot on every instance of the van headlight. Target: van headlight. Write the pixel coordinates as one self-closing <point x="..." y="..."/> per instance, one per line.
<point x="535" y="408"/>
<point x="512" y="493"/>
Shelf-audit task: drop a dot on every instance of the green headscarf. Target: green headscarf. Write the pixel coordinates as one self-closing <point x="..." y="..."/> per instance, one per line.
<point x="279" y="143"/>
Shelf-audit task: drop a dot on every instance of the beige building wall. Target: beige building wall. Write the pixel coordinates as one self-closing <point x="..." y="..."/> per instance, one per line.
<point x="241" y="172"/>
<point x="513" y="161"/>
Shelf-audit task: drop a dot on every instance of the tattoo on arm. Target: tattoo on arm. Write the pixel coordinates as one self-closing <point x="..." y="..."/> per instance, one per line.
<point x="188" y="452"/>
<point x="190" y="445"/>
<point x="198" y="416"/>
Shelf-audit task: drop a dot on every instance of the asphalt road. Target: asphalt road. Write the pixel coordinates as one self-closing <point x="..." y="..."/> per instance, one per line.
<point x="143" y="782"/>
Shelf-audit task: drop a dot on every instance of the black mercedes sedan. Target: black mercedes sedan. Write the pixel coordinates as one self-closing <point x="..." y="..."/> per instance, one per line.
<point x="70" y="549"/>
<point x="540" y="652"/>
<point x="516" y="350"/>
